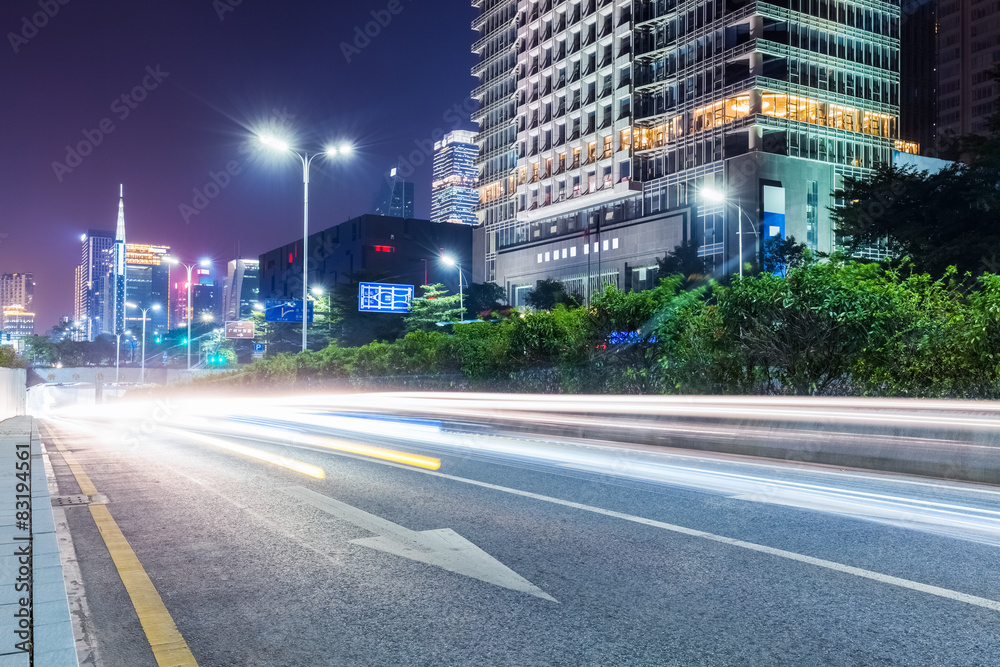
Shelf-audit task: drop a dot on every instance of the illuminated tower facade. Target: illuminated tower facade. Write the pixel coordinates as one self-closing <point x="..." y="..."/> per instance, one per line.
<point x="118" y="268"/>
<point x="453" y="190"/>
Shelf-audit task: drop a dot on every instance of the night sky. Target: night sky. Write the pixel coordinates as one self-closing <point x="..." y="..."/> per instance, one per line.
<point x="208" y="75"/>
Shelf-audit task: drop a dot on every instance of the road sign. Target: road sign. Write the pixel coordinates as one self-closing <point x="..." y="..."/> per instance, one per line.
<point x="166" y="357"/>
<point x="384" y="298"/>
<point x="258" y="350"/>
<point x="285" y="310"/>
<point x="240" y="330"/>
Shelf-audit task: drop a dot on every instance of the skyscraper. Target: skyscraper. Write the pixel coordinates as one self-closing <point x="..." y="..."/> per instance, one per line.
<point x="968" y="48"/>
<point x="241" y="289"/>
<point x="96" y="257"/>
<point x="603" y="122"/>
<point x="395" y="198"/>
<point x="118" y="270"/>
<point x="453" y="191"/>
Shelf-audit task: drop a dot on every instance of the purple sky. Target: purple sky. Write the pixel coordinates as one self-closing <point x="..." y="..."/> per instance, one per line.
<point x="206" y="79"/>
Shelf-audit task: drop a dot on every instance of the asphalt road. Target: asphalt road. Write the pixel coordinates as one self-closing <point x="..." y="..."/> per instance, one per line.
<point x="614" y="556"/>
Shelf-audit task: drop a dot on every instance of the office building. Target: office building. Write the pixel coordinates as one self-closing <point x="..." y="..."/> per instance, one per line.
<point x="601" y="123"/>
<point x="397" y="250"/>
<point x="918" y="74"/>
<point x="453" y="190"/>
<point x="96" y="254"/>
<point x="17" y="290"/>
<point x="18" y="322"/>
<point x="395" y="198"/>
<point x="240" y="289"/>
<point x="968" y="48"/>
<point x="147" y="278"/>
<point x="180" y="295"/>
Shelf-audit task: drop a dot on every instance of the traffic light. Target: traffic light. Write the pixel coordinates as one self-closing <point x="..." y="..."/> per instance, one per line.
<point x="217" y="359"/>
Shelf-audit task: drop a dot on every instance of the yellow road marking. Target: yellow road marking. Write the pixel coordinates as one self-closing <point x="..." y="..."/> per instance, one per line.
<point x="283" y="461"/>
<point x="169" y="647"/>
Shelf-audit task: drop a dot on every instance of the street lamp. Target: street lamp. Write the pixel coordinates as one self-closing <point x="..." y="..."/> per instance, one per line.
<point x="714" y="196"/>
<point x="333" y="151"/>
<point x="154" y="307"/>
<point x="205" y="263"/>
<point x="451" y="261"/>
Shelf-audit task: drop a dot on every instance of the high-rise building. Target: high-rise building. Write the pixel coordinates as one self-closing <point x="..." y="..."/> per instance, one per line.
<point x="918" y="73"/>
<point x="453" y="191"/>
<point x="147" y="280"/>
<point x="395" y="198"/>
<point x="17" y="290"/>
<point x="96" y="255"/>
<point x="603" y="122"/>
<point x="241" y="289"/>
<point x="968" y="37"/>
<point x="119" y="288"/>
<point x="180" y="298"/>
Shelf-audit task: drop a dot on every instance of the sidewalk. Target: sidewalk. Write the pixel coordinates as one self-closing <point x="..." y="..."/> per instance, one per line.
<point x="53" y="631"/>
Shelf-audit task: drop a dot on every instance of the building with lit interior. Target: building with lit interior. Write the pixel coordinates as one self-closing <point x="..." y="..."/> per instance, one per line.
<point x="240" y="289"/>
<point x="96" y="248"/>
<point x="453" y="190"/>
<point x="602" y="122"/>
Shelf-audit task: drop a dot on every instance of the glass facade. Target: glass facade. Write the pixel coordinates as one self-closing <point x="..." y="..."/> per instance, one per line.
<point x="453" y="191"/>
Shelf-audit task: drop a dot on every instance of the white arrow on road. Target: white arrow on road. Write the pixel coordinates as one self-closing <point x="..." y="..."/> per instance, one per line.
<point x="442" y="548"/>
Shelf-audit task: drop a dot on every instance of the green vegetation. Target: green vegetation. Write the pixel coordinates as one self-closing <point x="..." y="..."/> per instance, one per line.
<point x="836" y="327"/>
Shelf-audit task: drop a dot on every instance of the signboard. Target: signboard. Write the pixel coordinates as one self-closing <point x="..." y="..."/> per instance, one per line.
<point x="285" y="310"/>
<point x="240" y="330"/>
<point x="384" y="298"/>
<point x="258" y="350"/>
<point x="165" y="357"/>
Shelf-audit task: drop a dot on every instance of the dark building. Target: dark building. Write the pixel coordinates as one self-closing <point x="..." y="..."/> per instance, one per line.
<point x="395" y="199"/>
<point x="918" y="73"/>
<point x="397" y="250"/>
<point x="968" y="47"/>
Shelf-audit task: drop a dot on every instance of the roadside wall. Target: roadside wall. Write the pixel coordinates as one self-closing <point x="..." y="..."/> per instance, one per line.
<point x="13" y="389"/>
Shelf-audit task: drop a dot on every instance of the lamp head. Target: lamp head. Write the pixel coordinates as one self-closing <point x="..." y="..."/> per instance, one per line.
<point x="713" y="195"/>
<point x="274" y="142"/>
<point x="448" y="260"/>
<point x="155" y="306"/>
<point x="205" y="263"/>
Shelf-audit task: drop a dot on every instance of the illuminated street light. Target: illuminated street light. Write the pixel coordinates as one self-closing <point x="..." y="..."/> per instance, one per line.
<point x="205" y="263"/>
<point x="154" y="307"/>
<point x="279" y="144"/>
<point x="451" y="261"/>
<point x="716" y="196"/>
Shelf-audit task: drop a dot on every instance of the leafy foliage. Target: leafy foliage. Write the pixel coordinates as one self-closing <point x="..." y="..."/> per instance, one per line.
<point x="431" y="307"/>
<point x="549" y="293"/>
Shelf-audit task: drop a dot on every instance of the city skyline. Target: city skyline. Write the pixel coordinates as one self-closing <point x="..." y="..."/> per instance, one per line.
<point x="189" y="141"/>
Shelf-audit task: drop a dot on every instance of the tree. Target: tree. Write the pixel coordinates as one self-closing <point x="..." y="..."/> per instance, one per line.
<point x="682" y="260"/>
<point x="779" y="255"/>
<point x="482" y="299"/>
<point x="947" y="218"/>
<point x="549" y="293"/>
<point x="431" y="307"/>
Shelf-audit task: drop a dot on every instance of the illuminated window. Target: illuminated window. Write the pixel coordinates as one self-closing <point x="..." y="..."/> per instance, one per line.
<point x="614" y="244"/>
<point x="625" y="138"/>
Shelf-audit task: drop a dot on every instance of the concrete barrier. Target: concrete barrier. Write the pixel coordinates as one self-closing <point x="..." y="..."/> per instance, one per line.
<point x="13" y="389"/>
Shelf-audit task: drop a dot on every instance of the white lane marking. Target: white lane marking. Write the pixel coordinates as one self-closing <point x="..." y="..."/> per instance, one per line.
<point x="442" y="548"/>
<point x="781" y="553"/>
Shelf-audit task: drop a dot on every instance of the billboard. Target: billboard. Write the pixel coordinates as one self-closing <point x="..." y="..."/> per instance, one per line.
<point x="285" y="310"/>
<point x="240" y="330"/>
<point x="384" y="298"/>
